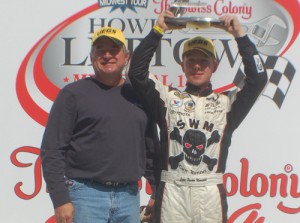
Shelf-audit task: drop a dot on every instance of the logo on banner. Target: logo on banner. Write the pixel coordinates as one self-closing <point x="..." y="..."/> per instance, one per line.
<point x="58" y="59"/>
<point x="62" y="57"/>
<point x="123" y="4"/>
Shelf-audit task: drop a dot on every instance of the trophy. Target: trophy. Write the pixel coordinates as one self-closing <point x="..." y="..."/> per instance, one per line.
<point x="178" y="7"/>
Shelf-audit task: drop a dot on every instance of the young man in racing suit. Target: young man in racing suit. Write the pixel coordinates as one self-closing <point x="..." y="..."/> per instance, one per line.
<point x="196" y="125"/>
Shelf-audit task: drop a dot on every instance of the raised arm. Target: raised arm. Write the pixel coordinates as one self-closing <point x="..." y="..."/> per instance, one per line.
<point x="254" y="69"/>
<point x="152" y="93"/>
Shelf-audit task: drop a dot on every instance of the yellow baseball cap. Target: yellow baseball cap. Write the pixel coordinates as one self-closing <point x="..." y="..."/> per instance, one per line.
<point x="202" y="44"/>
<point x="113" y="33"/>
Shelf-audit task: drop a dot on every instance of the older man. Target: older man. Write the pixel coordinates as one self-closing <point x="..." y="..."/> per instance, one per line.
<point x="96" y="141"/>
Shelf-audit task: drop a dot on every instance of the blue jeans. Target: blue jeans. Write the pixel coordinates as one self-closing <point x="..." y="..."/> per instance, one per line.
<point x="97" y="203"/>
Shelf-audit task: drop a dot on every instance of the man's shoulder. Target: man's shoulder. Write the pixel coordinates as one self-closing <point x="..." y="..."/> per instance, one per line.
<point x="78" y="83"/>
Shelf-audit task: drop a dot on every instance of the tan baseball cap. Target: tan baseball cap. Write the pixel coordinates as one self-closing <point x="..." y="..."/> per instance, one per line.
<point x="110" y="32"/>
<point x="202" y="44"/>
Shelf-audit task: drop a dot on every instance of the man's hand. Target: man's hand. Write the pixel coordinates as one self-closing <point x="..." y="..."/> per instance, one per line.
<point x="149" y="211"/>
<point x="64" y="213"/>
<point x="231" y="25"/>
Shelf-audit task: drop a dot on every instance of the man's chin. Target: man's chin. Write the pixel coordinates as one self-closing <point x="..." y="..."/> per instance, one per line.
<point x="196" y="82"/>
<point x="109" y="70"/>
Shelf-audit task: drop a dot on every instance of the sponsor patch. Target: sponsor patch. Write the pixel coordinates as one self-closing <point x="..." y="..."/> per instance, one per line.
<point x="189" y="106"/>
<point x="175" y="103"/>
<point x="258" y="64"/>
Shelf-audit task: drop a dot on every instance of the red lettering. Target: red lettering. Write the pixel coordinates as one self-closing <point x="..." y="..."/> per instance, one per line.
<point x="181" y="81"/>
<point x="221" y="8"/>
<point x="192" y="9"/>
<point x="164" y="80"/>
<point x="251" y="217"/>
<point x="77" y="77"/>
<point x="294" y="186"/>
<point x="260" y="183"/>
<point x="244" y="178"/>
<point x="37" y="171"/>
<point x="274" y="179"/>
<point x="288" y="210"/>
<point x="163" y="5"/>
<point x="255" y="183"/>
<point x="234" y="182"/>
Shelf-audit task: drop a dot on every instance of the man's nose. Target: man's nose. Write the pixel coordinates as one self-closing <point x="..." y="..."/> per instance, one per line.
<point x="107" y="53"/>
<point x="198" y="66"/>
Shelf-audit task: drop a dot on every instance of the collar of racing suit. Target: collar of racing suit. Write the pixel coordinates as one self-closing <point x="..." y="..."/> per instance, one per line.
<point x="200" y="92"/>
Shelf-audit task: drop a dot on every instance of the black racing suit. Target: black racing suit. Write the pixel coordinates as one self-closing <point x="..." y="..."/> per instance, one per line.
<point x="196" y="126"/>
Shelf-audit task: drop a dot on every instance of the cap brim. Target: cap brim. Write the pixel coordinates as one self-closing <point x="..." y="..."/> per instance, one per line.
<point x="116" y="41"/>
<point x="207" y="53"/>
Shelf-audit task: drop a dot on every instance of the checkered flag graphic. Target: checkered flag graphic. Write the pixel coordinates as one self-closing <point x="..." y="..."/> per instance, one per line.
<point x="280" y="72"/>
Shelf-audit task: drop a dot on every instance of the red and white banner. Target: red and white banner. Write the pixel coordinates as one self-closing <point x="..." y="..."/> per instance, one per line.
<point x="45" y="45"/>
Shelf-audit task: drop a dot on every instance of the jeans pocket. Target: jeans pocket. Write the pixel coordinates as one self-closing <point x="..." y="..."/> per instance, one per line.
<point x="74" y="185"/>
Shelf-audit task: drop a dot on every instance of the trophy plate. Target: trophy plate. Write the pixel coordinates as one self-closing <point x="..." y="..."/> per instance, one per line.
<point x="196" y="21"/>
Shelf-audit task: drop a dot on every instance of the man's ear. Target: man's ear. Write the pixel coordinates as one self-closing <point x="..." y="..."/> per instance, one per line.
<point x="182" y="66"/>
<point x="216" y="64"/>
<point x="128" y="57"/>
